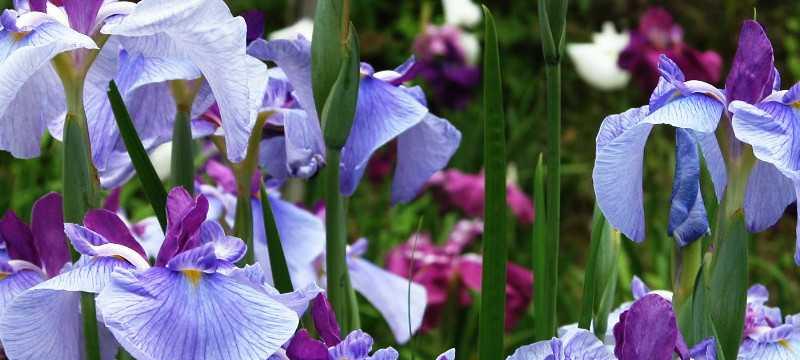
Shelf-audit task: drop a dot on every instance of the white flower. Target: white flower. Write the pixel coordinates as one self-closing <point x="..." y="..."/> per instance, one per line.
<point x="461" y="12"/>
<point x="596" y="62"/>
<point x="471" y="46"/>
<point x="304" y="26"/>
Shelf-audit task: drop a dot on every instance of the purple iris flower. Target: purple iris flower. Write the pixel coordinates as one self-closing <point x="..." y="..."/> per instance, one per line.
<point x="442" y="61"/>
<point x="157" y="43"/>
<point x="355" y="346"/>
<point x="574" y="344"/>
<point x="386" y="110"/>
<point x="31" y="254"/>
<point x="766" y="335"/>
<point x="694" y="108"/>
<point x="303" y="240"/>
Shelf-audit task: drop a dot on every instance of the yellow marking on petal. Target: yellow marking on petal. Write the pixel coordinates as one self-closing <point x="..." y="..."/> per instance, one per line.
<point x="17" y="36"/>
<point x="796" y="104"/>
<point x="4" y="275"/>
<point x="785" y="344"/>
<point x="194" y="276"/>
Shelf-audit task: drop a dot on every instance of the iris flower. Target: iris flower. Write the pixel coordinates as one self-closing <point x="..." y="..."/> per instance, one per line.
<point x="766" y="335"/>
<point x="386" y="110"/>
<point x="575" y="344"/>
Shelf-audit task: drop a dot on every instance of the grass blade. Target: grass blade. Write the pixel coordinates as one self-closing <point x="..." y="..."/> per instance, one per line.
<point x="493" y="301"/>
<point x="153" y="188"/>
<point x="277" y="259"/>
<point x="587" y="304"/>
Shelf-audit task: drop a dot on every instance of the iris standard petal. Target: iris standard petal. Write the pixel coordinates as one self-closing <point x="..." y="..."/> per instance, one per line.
<point x="160" y="314"/>
<point x="421" y="151"/>
<point x="302" y="237"/>
<point x="112" y="228"/>
<point x="617" y="173"/>
<point x="18" y="238"/>
<point x="647" y="330"/>
<point x="47" y="225"/>
<point x="226" y="248"/>
<point x="389" y="294"/>
<point x="768" y="194"/>
<point x="383" y="112"/>
<point x="294" y="58"/>
<point x="304" y="347"/>
<point x="687" y="215"/>
<point x="44" y="322"/>
<point x="82" y="14"/>
<point x="184" y="217"/>
<point x="751" y="76"/>
<point x="27" y="76"/>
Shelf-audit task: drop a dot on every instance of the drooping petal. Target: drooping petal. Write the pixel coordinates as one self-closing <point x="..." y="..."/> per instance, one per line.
<point x="160" y="314"/>
<point x="447" y="355"/>
<point x="617" y="173"/>
<point x="542" y="350"/>
<point x="697" y="111"/>
<point x="383" y="112"/>
<point x="715" y="163"/>
<point x="389" y="294"/>
<point x="687" y="217"/>
<point x="44" y="322"/>
<point x="92" y="244"/>
<point x="421" y="151"/>
<point x="294" y="58"/>
<point x="575" y="344"/>
<point x="751" y="76"/>
<point x="111" y="227"/>
<point x="772" y="129"/>
<point x="47" y="224"/>
<point x="782" y="347"/>
<point x="14" y="284"/>
<point x="28" y="79"/>
<point x="217" y="48"/>
<point x="768" y="194"/>
<point x="302" y="237"/>
<point x="385" y="354"/>
<point x="305" y="151"/>
<point x="18" y="238"/>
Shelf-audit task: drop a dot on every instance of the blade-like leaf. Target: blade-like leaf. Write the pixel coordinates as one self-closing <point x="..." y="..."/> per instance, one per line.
<point x="152" y="186"/>
<point x="605" y="277"/>
<point x="182" y="165"/>
<point x="727" y="293"/>
<point x="587" y="304"/>
<point x="493" y="301"/>
<point x="544" y="292"/>
<point x="277" y="259"/>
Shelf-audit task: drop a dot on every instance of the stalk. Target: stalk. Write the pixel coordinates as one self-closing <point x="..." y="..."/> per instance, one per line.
<point x="687" y="265"/>
<point x="182" y="164"/>
<point x="495" y="244"/>
<point x="243" y="223"/>
<point x="277" y="259"/>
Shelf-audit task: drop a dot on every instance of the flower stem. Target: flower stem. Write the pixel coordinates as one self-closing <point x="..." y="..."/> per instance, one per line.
<point x="182" y="153"/>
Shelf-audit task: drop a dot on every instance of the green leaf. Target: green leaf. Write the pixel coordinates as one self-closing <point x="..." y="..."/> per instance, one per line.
<point x="153" y="188"/>
<point x="727" y="292"/>
<point x="544" y="293"/>
<point x="699" y="324"/>
<point x="606" y="277"/>
<point x="243" y="226"/>
<point x="78" y="188"/>
<point x="340" y="106"/>
<point x="277" y="259"/>
<point x="587" y="304"/>
<point x="326" y="48"/>
<point x="495" y="244"/>
<point x="182" y="165"/>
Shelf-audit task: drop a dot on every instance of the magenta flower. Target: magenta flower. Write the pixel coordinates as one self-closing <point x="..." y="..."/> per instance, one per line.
<point x="437" y="267"/>
<point x="658" y="34"/>
<point x="466" y="192"/>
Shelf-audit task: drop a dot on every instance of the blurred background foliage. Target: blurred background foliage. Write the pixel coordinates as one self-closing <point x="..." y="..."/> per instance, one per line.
<point x="388" y="29"/>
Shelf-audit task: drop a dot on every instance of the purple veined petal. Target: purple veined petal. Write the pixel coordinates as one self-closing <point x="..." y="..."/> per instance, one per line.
<point x="47" y="224"/>
<point x="304" y="347"/>
<point x="226" y="248"/>
<point x="383" y="113"/>
<point x="302" y="237"/>
<point x="28" y="78"/>
<point x="768" y="194"/>
<point x="696" y="111"/>
<point x="272" y="157"/>
<point x="297" y="300"/>
<point x="715" y="163"/>
<point x="294" y="58"/>
<point x="617" y="172"/>
<point x="797" y="228"/>
<point x="90" y="243"/>
<point x="325" y="320"/>
<point x="647" y="330"/>
<point x="112" y="228"/>
<point x="44" y="322"/>
<point x="704" y="350"/>
<point x="447" y="355"/>
<point x="148" y="233"/>
<point x="200" y="259"/>
<point x="356" y="346"/>
<point x="757" y="294"/>
<point x="421" y="151"/>
<point x="389" y="294"/>
<point x="785" y="348"/>
<point x="179" y="203"/>
<point x="687" y="217"/>
<point x="751" y="76"/>
<point x="305" y="149"/>
<point x="385" y="354"/>
<point x="159" y="314"/>
<point x="14" y="284"/>
<point x="583" y="344"/>
<point x="184" y="217"/>
<point x="82" y="14"/>
<point x="638" y="288"/>
<point x="772" y="129"/>
<point x="541" y="350"/>
<point x="18" y="239"/>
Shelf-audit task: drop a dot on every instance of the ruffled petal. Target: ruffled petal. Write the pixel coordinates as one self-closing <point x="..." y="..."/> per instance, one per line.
<point x="27" y="79"/>
<point x="160" y="314"/>
<point x="294" y="58"/>
<point x="421" y="151"/>
<point x="226" y="248"/>
<point x="383" y="112"/>
<point x="305" y="150"/>
<point x="618" y="167"/>
<point x="389" y="294"/>
<point x="768" y="194"/>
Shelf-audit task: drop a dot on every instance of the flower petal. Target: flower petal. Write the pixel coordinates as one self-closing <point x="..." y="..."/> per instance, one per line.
<point x="421" y="151"/>
<point x="647" y="330"/>
<point x="160" y="314"/>
<point x="305" y="150"/>
<point x="14" y="284"/>
<point x="111" y="227"/>
<point x="304" y="347"/>
<point x="18" y="238"/>
<point x="715" y="163"/>
<point x="617" y="170"/>
<point x="47" y="223"/>
<point x="389" y="294"/>
<point x="294" y="58"/>
<point x="768" y="194"/>
<point x="751" y="76"/>
<point x="697" y="111"/>
<point x="687" y="217"/>
<point x="82" y="14"/>
<point x="226" y="248"/>
<point x="772" y="129"/>
<point x="383" y="112"/>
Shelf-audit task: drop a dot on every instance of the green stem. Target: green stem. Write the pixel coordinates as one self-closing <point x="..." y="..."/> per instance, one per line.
<point x="687" y="264"/>
<point x="339" y="287"/>
<point x="243" y="223"/>
<point x="277" y="259"/>
<point x="182" y="165"/>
